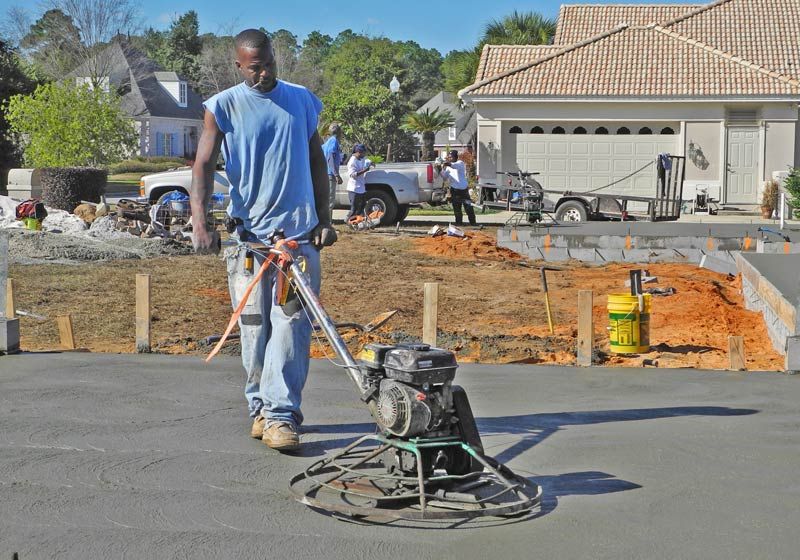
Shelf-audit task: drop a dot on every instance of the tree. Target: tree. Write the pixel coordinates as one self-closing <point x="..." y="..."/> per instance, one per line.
<point x="459" y="69"/>
<point x="371" y="115"/>
<point x="181" y="47"/>
<point x="61" y="125"/>
<point x="427" y="123"/>
<point x="311" y="62"/>
<point x="216" y="68"/>
<point x="98" y="22"/>
<point x="52" y="44"/>
<point x="13" y="81"/>
<point x="286" y="49"/>
<point x="519" y="28"/>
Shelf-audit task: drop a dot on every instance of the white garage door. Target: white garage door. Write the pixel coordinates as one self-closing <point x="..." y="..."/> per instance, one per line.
<point x="581" y="162"/>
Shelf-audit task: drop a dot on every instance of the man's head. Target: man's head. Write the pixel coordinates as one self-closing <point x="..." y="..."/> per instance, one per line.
<point x="452" y="155"/>
<point x="360" y="150"/>
<point x="335" y="130"/>
<point x="255" y="59"/>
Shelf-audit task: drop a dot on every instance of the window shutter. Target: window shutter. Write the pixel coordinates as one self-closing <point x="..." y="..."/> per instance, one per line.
<point x="159" y="144"/>
<point x="174" y="144"/>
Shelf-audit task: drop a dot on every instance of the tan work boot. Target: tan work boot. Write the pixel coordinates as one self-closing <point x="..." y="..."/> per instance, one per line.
<point x="281" y="436"/>
<point x="258" y="427"/>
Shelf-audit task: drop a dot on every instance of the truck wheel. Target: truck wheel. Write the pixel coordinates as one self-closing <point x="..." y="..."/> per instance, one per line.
<point x="380" y="200"/>
<point x="402" y="212"/>
<point x="571" y="211"/>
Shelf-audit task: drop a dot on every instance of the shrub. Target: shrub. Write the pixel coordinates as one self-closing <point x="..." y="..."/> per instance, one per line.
<point x="141" y="165"/>
<point x="792" y="186"/>
<point x="65" y="187"/>
<point x="769" y="198"/>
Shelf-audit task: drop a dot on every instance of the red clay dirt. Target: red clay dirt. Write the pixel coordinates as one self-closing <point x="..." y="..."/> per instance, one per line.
<point x="491" y="306"/>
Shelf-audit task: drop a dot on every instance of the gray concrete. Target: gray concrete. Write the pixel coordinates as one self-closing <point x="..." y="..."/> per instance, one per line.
<point x="3" y="272"/>
<point x="9" y="336"/>
<point x="782" y="271"/>
<point x="106" y="456"/>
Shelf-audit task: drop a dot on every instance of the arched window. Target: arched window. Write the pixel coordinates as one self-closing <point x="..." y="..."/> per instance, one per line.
<point x="667" y="130"/>
<point x="537" y="130"/>
<point x="515" y="130"/>
<point x="559" y="130"/>
<point x="623" y="130"/>
<point x="579" y="130"/>
<point x="645" y="130"/>
<point x="601" y="130"/>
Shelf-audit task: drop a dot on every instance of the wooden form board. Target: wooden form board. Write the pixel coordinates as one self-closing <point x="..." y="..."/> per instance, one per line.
<point x="430" y="313"/>
<point x="736" y="353"/>
<point x="585" y="328"/>
<point x="143" y="313"/>
<point x="65" y="332"/>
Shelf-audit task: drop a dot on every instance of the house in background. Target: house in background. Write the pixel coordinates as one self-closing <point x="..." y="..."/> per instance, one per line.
<point x="461" y="135"/>
<point x="718" y="83"/>
<point x="167" y="112"/>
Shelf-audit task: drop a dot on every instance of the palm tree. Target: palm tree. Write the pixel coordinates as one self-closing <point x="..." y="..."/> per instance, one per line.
<point x="427" y="123"/>
<point x="519" y="28"/>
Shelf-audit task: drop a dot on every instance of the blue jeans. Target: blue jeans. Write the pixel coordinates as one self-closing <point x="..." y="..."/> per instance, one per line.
<point x="275" y="345"/>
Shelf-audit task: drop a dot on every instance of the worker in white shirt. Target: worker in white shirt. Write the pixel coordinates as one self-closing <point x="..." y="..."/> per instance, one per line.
<point x="357" y="167"/>
<point x="455" y="172"/>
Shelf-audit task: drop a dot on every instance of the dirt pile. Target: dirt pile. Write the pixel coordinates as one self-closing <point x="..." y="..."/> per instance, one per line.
<point x="476" y="245"/>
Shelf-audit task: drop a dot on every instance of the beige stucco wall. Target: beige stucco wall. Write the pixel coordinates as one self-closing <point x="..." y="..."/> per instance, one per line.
<point x="779" y="146"/>
<point x="487" y="165"/>
<point x="703" y="147"/>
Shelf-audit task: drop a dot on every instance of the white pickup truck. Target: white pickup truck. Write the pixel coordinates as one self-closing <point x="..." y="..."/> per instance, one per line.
<point x="391" y="187"/>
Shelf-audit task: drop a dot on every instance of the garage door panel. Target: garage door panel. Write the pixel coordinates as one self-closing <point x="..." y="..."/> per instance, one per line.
<point x="588" y="161"/>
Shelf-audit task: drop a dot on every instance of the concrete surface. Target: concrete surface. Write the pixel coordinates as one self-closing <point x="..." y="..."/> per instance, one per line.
<point x="111" y="456"/>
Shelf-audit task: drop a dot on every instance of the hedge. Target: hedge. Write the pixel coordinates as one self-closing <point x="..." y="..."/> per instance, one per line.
<point x="143" y="166"/>
<point x="65" y="187"/>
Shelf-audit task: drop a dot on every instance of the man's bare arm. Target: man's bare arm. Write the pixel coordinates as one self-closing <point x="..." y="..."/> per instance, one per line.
<point x="203" y="181"/>
<point x="324" y="234"/>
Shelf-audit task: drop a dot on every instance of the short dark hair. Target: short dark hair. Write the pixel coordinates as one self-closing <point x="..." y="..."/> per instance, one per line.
<point x="252" y="39"/>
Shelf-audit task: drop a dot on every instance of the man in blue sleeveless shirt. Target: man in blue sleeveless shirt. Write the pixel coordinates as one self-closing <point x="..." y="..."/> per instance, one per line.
<point x="267" y="130"/>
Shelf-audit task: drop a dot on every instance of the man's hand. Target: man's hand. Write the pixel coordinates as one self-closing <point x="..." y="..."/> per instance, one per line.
<point x="206" y="243"/>
<point x="338" y="179"/>
<point x="323" y="236"/>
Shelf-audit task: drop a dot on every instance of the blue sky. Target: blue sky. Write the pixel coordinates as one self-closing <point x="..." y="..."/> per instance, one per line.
<point x="441" y="25"/>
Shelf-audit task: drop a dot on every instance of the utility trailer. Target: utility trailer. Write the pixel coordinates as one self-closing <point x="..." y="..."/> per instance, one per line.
<point x="531" y="202"/>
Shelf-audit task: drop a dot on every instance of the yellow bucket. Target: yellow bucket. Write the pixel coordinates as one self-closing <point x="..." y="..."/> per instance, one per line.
<point x="629" y="330"/>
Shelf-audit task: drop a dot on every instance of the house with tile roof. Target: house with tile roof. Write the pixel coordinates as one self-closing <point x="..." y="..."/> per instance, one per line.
<point x="166" y="111"/>
<point x="717" y="82"/>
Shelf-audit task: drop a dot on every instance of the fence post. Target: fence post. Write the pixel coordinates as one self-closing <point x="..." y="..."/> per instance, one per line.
<point x="143" y="313"/>
<point x="430" y="313"/>
<point x="585" y="328"/>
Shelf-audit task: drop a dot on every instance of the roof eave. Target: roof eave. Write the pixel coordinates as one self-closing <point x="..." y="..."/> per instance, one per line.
<point x="637" y="99"/>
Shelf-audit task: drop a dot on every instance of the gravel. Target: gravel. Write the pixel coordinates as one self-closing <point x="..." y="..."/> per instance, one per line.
<point x="36" y="247"/>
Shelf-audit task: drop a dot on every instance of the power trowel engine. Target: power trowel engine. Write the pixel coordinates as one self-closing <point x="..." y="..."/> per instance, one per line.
<point x="413" y="397"/>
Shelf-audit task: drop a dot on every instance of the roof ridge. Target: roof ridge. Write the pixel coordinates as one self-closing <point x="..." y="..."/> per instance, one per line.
<point x="561" y="51"/>
<point x="694" y="12"/>
<point x="728" y="56"/>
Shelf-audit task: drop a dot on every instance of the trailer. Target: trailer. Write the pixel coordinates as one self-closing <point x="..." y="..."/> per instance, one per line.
<point x="532" y="203"/>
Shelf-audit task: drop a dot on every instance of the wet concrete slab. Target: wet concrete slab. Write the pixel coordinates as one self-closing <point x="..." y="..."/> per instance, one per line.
<point x="149" y="457"/>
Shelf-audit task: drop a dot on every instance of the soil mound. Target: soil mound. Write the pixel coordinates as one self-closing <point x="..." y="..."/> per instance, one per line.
<point x="475" y="245"/>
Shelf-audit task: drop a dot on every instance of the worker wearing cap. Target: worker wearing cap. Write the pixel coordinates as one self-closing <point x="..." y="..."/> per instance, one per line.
<point x="455" y="172"/>
<point x="357" y="167"/>
<point x="267" y="129"/>
<point x="333" y="158"/>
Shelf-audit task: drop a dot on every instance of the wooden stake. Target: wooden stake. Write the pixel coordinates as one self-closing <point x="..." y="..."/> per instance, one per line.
<point x="11" y="306"/>
<point x="736" y="353"/>
<point x="585" y="328"/>
<point x="65" y="332"/>
<point x="143" y="313"/>
<point x="430" y="313"/>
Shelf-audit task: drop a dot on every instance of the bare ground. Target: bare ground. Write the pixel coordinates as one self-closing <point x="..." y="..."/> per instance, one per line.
<point x="491" y="303"/>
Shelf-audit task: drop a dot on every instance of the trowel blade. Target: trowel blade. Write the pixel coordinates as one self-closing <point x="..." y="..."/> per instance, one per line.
<point x="380" y="320"/>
